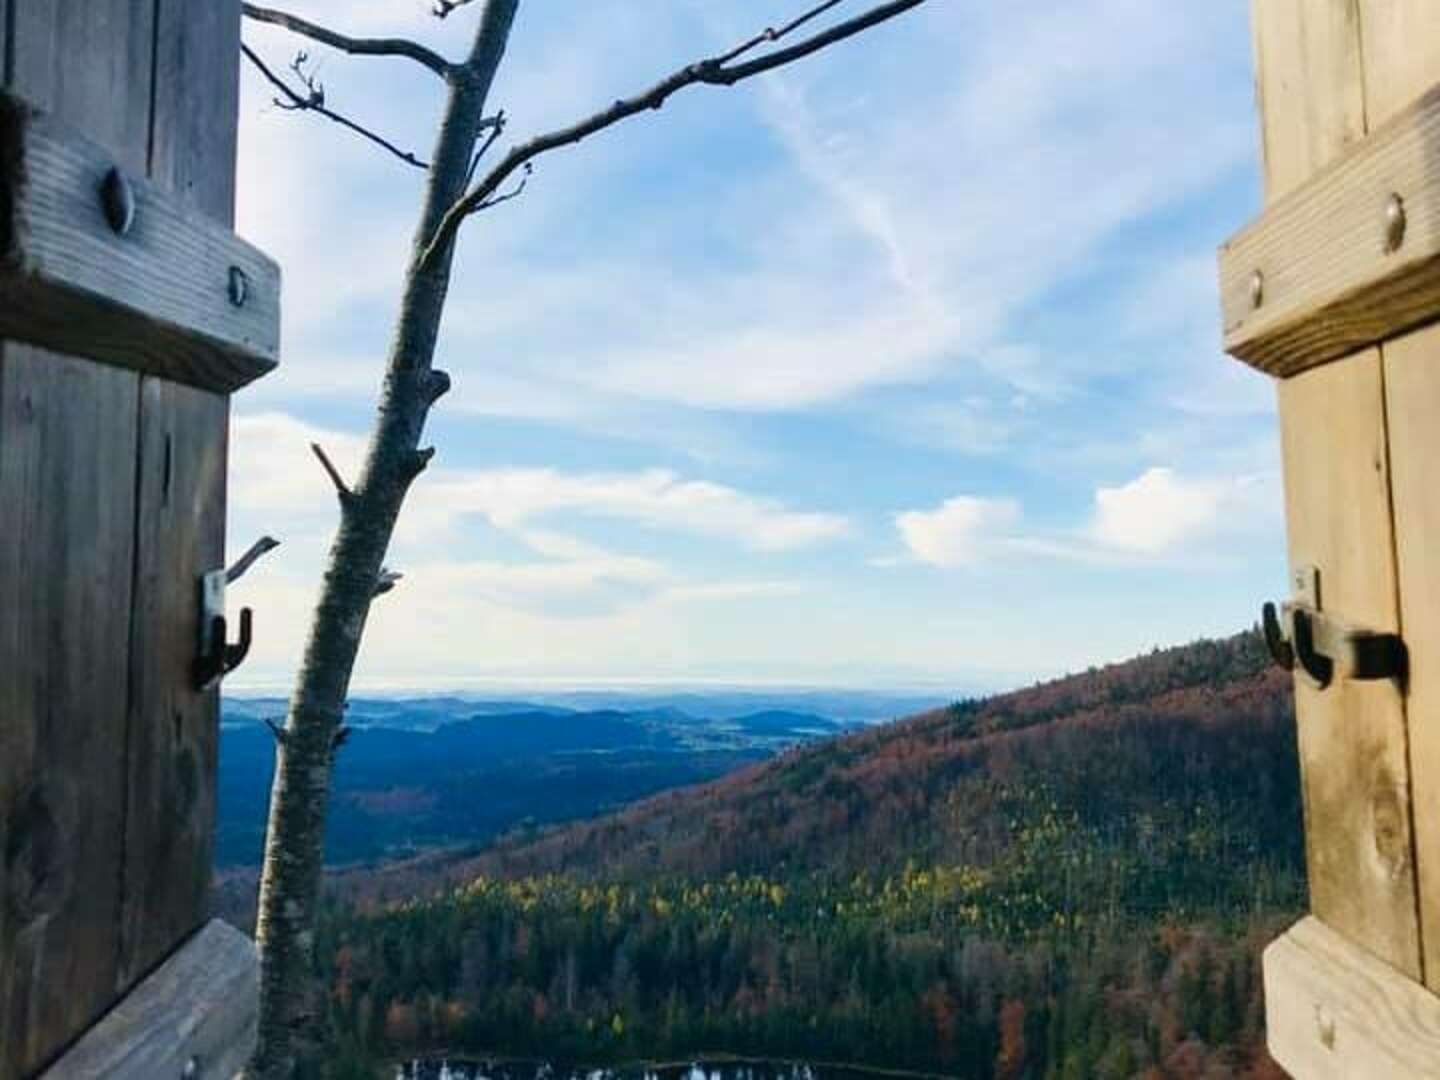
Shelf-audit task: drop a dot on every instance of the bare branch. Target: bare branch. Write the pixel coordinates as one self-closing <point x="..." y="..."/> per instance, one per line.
<point x="496" y="125"/>
<point x="355" y="46"/>
<point x="714" y="71"/>
<point x="313" y="100"/>
<point x="386" y="580"/>
<point x="341" y="488"/>
<point x="770" y="34"/>
<point x="240" y="565"/>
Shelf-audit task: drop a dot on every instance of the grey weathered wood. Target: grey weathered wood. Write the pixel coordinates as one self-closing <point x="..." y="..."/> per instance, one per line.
<point x="1329" y="283"/>
<point x="180" y="525"/>
<point x="199" y="1005"/>
<point x="1334" y="1010"/>
<point x="157" y="299"/>
<point x="173" y="733"/>
<point x="67" y="445"/>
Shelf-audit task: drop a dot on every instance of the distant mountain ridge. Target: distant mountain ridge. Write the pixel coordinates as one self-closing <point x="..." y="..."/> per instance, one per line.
<point x="1131" y="755"/>
<point x="409" y="774"/>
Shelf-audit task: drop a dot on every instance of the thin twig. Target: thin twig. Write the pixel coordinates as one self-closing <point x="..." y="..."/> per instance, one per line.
<point x="314" y="101"/>
<point x="386" y="579"/>
<point x="275" y="729"/>
<point x="496" y="125"/>
<point x="244" y="562"/>
<point x="441" y="8"/>
<point x="355" y="46"/>
<point x="341" y="488"/>
<point x="714" y="72"/>
<point x="770" y="34"/>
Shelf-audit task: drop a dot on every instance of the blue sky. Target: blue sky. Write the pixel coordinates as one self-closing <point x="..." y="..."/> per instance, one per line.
<point x="897" y="367"/>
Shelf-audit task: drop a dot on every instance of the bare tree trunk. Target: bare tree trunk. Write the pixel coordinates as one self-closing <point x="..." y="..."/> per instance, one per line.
<point x="294" y="846"/>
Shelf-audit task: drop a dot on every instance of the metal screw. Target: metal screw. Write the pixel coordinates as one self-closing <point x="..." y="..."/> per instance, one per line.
<point x="1257" y="289"/>
<point x="191" y="1070"/>
<point x="1394" y="222"/>
<point x="239" y="286"/>
<point x="117" y="200"/>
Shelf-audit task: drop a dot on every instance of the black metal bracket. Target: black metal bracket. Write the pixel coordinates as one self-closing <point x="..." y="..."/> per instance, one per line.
<point x="216" y="657"/>
<point x="1324" y="647"/>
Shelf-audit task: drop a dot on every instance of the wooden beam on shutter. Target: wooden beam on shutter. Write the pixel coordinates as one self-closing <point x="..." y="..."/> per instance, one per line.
<point x="1334" y="1012"/>
<point x="1352" y="738"/>
<point x="177" y="295"/>
<point x="1347" y="259"/>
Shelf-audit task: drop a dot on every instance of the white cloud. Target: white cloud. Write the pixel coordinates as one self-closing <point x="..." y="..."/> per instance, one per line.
<point x="960" y="531"/>
<point x="656" y="498"/>
<point x="1159" y="510"/>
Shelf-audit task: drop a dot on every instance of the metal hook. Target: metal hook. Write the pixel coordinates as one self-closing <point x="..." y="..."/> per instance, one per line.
<point x="223" y="657"/>
<point x="1280" y="650"/>
<point x="1317" y="666"/>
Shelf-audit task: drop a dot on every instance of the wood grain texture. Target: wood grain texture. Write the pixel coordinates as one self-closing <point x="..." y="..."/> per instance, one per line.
<point x="1352" y="736"/>
<point x="67" y="445"/>
<point x="1402" y="63"/>
<point x="1334" y="1011"/>
<point x="156" y="299"/>
<point x="1308" y="86"/>
<point x="180" y="525"/>
<point x="200" y="1004"/>
<point x="1412" y="389"/>
<point x="173" y="729"/>
<point x="1331" y="285"/>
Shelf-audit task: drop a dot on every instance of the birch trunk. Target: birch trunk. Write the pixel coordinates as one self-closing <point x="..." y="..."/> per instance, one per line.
<point x="294" y="846"/>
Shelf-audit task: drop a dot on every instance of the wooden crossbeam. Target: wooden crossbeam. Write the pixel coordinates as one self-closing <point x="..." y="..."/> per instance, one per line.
<point x="155" y="285"/>
<point x="1349" y="258"/>
<point x="1334" y="1010"/>
<point x="195" y="1015"/>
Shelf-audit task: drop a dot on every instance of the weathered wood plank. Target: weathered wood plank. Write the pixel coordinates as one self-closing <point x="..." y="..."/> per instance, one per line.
<point x="1402" y="62"/>
<point x="197" y="103"/>
<point x="67" y="483"/>
<point x="67" y="445"/>
<point x="1331" y="281"/>
<point x="88" y="63"/>
<point x="200" y="1005"/>
<point x="1307" y="86"/>
<point x="1412" y="391"/>
<point x="1335" y="1011"/>
<point x="1352" y="737"/>
<point x="174" y="730"/>
<point x="158" y="299"/>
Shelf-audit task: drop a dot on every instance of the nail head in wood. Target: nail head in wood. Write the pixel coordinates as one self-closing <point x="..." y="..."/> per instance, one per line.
<point x="117" y="199"/>
<point x="1394" y="222"/>
<point x="239" y="286"/>
<point x="1257" y="289"/>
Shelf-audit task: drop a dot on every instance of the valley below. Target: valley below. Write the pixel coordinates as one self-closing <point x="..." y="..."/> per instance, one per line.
<point x="1071" y="880"/>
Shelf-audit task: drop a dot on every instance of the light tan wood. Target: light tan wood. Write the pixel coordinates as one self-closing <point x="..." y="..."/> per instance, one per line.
<point x="1334" y="1011"/>
<point x="1352" y="735"/>
<point x="1307" y="86"/>
<point x="1412" y="389"/>
<point x="1402" y="62"/>
<point x="157" y="299"/>
<point x="201" y="1004"/>
<point x="1330" y="282"/>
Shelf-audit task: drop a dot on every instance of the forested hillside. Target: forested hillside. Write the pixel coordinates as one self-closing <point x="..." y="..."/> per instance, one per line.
<point x="1070" y="880"/>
